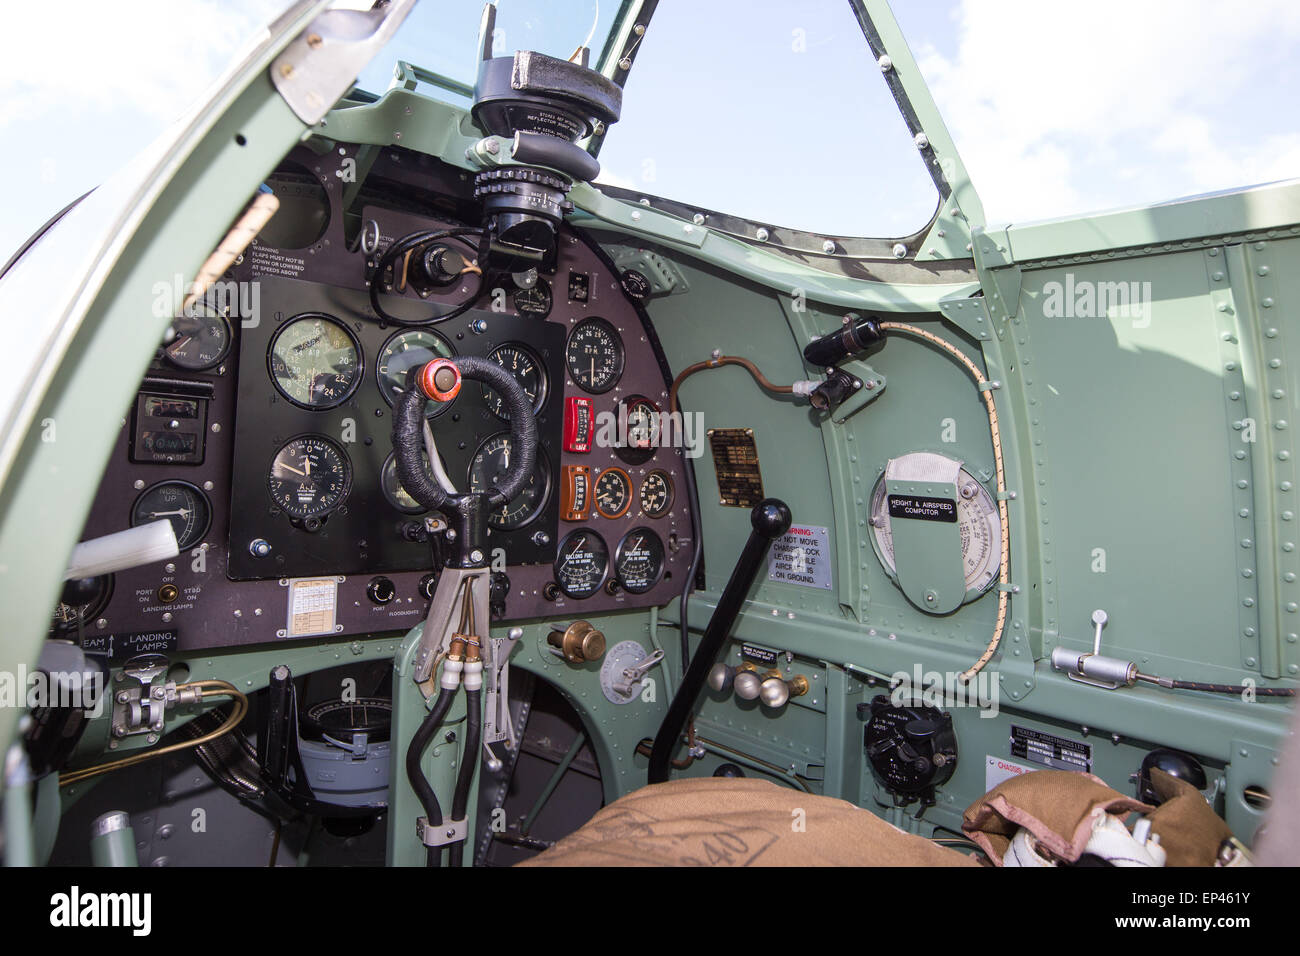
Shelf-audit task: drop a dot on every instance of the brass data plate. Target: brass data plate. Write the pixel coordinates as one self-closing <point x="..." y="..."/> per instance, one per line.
<point x="735" y="460"/>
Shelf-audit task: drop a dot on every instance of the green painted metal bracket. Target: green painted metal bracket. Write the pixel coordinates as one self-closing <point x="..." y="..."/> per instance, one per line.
<point x="969" y="314"/>
<point x="408" y="76"/>
<point x="1250" y="765"/>
<point x="873" y="386"/>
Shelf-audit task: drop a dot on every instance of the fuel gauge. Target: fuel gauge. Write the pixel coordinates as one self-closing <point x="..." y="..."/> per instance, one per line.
<point x="198" y="338"/>
<point x="581" y="563"/>
<point x="639" y="561"/>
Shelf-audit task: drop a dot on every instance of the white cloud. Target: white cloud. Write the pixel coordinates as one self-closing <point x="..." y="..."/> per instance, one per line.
<point x="1060" y="109"/>
<point x="84" y="93"/>
<point x="157" y="55"/>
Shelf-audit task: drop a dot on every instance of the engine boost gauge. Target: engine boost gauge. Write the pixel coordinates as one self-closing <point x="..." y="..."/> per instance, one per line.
<point x="525" y="369"/>
<point x="309" y="477"/>
<point x="595" y="355"/>
<point x="581" y="563"/>
<point x="639" y="427"/>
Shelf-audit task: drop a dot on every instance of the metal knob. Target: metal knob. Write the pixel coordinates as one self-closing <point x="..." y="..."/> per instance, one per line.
<point x="578" y="643"/>
<point x="747" y="683"/>
<point x="775" y="691"/>
<point x="721" y="677"/>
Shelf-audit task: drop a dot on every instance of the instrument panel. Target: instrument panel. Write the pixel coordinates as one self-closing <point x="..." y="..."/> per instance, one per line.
<point x="262" y="432"/>
<point x="315" y="430"/>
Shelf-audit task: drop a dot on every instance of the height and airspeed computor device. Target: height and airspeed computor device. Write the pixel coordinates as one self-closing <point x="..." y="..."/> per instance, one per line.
<point x="935" y="529"/>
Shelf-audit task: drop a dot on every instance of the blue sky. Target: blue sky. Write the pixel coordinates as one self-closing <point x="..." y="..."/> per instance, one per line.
<point x="778" y="114"/>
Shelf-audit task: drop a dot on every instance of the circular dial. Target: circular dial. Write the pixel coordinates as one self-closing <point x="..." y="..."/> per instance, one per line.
<point x="309" y="476"/>
<point x="639" y="560"/>
<point x="391" y="485"/>
<point x="656" y="494"/>
<point x="534" y="301"/>
<point x="405" y="351"/>
<point x="199" y="338"/>
<point x="581" y="563"/>
<point x="184" y="505"/>
<point x="613" y="493"/>
<point x="490" y="466"/>
<point x="525" y="369"/>
<point x="977" y="519"/>
<point x="912" y="749"/>
<point x="613" y="683"/>
<point x="595" y="355"/>
<point x="642" y="436"/>
<point x="315" y="362"/>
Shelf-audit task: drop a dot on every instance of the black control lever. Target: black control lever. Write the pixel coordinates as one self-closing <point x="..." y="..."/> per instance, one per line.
<point x="440" y="380"/>
<point x="770" y="519"/>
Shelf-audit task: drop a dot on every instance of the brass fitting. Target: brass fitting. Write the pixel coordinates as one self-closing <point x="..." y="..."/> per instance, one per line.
<point x="578" y="643"/>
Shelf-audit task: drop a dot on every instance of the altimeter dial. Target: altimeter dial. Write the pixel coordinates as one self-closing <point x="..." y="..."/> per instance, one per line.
<point x="309" y="477"/>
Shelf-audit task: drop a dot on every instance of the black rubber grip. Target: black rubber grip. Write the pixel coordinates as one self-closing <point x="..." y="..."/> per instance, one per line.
<point x="408" y="434"/>
<point x="569" y="158"/>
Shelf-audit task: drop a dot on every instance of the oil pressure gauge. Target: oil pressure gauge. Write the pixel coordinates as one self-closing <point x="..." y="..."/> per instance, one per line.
<point x="936" y="531"/>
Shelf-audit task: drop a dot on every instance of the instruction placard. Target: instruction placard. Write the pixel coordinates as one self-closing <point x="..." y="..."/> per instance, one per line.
<point x="312" y="606"/>
<point x="801" y="556"/>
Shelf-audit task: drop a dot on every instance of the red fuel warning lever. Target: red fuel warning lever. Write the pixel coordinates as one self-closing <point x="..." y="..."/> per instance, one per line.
<point x="440" y="380"/>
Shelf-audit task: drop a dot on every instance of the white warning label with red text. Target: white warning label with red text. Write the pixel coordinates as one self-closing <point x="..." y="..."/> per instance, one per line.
<point x="801" y="556"/>
<point x="999" y="769"/>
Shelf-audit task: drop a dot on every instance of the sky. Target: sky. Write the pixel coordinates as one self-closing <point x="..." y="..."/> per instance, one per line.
<point x="778" y="114"/>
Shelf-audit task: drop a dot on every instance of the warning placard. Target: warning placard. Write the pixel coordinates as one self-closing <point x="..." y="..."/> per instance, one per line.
<point x="801" y="556"/>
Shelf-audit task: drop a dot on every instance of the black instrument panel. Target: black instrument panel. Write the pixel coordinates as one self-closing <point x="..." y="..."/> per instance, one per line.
<point x="267" y="422"/>
<point x="363" y="532"/>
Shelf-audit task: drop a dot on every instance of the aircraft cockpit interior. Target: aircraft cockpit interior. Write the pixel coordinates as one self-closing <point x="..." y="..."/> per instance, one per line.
<point x="389" y="480"/>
